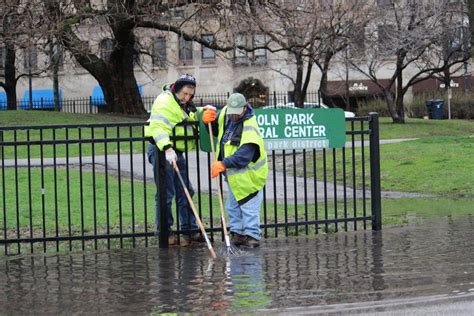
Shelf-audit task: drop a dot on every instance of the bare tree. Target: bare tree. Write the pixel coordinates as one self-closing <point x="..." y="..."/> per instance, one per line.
<point x="117" y="22"/>
<point x="307" y="33"/>
<point x="9" y="18"/>
<point x="23" y="30"/>
<point x="410" y="37"/>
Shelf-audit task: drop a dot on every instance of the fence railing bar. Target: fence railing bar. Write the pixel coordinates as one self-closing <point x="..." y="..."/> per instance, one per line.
<point x="275" y="209"/>
<point x="150" y="234"/>
<point x="17" y="192"/>
<point x="132" y="185"/>
<point x="334" y="184"/>
<point x="305" y="192"/>
<point x="295" y="189"/>
<point x="94" y="186"/>
<point x="4" y="196"/>
<point x="325" y="190"/>
<point x="119" y="183"/>
<point x="30" y="203"/>
<point x="107" y="195"/>
<point x="81" y="189"/>
<point x="55" y="181"/>
<point x="344" y="184"/>
<point x="354" y="178"/>
<point x="285" y="193"/>
<point x="145" y="205"/>
<point x="68" y="191"/>
<point x="362" y="148"/>
<point x="43" y="207"/>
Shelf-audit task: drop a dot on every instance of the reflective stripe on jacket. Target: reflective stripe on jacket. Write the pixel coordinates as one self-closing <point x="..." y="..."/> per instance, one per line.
<point x="250" y="179"/>
<point x="165" y="114"/>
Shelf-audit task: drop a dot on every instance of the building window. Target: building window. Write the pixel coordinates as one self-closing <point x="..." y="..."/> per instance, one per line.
<point x="185" y="50"/>
<point x="159" y="52"/>
<point x="256" y="57"/>
<point x="458" y="42"/>
<point x="384" y="3"/>
<point x="206" y="52"/>
<point x="30" y="59"/>
<point x="260" y="55"/>
<point x="56" y="56"/>
<point x="178" y="13"/>
<point x="240" y="55"/>
<point x="2" y="57"/>
<point x="106" y="48"/>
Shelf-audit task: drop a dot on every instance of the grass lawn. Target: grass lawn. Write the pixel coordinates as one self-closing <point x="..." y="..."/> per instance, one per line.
<point x="67" y="139"/>
<point x="37" y="118"/>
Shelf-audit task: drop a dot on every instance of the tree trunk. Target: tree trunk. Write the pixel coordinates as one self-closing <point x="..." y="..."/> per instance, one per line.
<point x="115" y="76"/>
<point x="323" y="85"/>
<point x="398" y="116"/>
<point x="126" y="97"/>
<point x="10" y="77"/>
<point x="399" y="105"/>
<point x="390" y="100"/>
<point x="298" y="98"/>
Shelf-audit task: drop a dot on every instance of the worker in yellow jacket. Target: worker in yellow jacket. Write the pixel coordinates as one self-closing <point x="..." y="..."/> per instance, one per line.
<point x="242" y="158"/>
<point x="173" y="106"/>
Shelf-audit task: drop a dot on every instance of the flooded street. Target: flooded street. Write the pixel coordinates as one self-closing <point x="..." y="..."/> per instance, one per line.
<point x="348" y="272"/>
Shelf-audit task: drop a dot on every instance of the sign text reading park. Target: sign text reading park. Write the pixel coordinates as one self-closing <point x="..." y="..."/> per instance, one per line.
<point x="302" y="128"/>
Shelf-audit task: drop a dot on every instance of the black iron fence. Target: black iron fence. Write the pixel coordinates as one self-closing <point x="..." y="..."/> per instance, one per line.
<point x="78" y="187"/>
<point x="93" y="105"/>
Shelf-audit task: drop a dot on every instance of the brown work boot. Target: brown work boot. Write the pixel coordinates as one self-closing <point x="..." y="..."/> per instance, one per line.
<point x="197" y="237"/>
<point x="187" y="239"/>
<point x="250" y="242"/>
<point x="184" y="241"/>
<point x="237" y="239"/>
<point x="172" y="239"/>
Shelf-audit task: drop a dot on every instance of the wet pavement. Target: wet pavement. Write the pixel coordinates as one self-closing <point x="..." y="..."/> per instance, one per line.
<point x="416" y="269"/>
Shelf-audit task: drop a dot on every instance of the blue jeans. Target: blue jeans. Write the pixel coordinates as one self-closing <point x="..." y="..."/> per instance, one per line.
<point x="186" y="216"/>
<point x="245" y="219"/>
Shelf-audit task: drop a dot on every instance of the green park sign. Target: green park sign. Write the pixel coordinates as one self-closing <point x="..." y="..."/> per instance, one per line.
<point x="284" y="129"/>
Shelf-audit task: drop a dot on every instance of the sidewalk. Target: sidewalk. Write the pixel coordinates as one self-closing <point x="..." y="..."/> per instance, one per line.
<point x="295" y="189"/>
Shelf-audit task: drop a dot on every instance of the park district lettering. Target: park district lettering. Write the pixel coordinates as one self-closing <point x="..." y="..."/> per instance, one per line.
<point x="297" y="125"/>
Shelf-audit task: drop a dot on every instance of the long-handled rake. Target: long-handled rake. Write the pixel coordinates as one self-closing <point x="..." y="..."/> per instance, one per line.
<point x="196" y="215"/>
<point x="231" y="250"/>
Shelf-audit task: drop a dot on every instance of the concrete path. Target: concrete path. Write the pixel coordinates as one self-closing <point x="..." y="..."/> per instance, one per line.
<point x="293" y="188"/>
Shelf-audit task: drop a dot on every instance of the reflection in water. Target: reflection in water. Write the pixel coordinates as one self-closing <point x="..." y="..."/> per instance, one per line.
<point x="247" y="281"/>
<point x="397" y="263"/>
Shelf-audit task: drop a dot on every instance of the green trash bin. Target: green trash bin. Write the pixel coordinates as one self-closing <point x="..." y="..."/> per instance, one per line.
<point x="435" y="109"/>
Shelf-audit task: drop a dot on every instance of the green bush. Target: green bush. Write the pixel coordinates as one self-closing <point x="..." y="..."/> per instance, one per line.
<point x="374" y="105"/>
<point x="462" y="105"/>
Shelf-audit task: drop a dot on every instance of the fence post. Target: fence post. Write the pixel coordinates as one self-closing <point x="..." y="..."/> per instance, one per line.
<point x="90" y="104"/>
<point x="375" y="191"/>
<point x="159" y="171"/>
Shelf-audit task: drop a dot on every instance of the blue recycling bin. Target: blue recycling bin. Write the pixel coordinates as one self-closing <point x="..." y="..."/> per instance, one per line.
<point x="435" y="109"/>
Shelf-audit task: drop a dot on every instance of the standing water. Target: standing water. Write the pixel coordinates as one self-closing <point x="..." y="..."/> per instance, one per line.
<point x="335" y="272"/>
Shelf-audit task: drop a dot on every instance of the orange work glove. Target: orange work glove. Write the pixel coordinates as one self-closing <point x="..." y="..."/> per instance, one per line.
<point x="217" y="167"/>
<point x="208" y="116"/>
